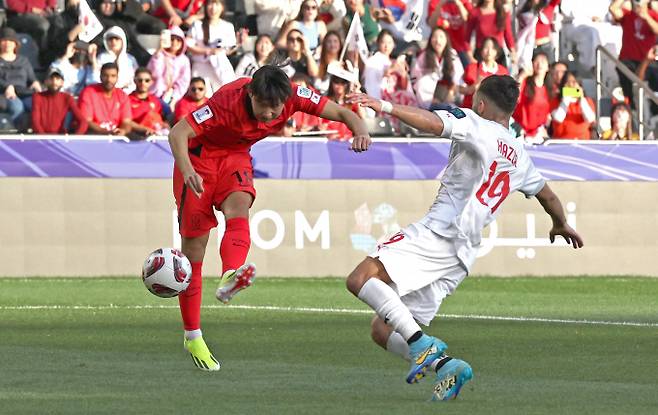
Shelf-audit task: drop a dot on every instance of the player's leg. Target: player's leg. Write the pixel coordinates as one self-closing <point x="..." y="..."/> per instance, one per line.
<point x="371" y="283"/>
<point x="388" y="339"/>
<point x="234" y="247"/>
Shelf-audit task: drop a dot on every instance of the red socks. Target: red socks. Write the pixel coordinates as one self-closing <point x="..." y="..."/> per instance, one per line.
<point x="190" y="300"/>
<point x="235" y="244"/>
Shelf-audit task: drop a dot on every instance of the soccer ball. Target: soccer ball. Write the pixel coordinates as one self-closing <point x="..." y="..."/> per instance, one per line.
<point x="166" y="272"/>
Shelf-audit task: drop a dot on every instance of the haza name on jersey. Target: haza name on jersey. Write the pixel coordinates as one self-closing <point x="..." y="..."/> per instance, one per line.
<point x="508" y="152"/>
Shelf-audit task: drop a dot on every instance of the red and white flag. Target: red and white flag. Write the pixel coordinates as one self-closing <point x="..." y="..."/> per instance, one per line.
<point x="355" y="39"/>
<point x="91" y="26"/>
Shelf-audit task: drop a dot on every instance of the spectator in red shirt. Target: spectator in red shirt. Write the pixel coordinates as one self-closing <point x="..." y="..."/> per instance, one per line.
<point x="106" y="108"/>
<point x="533" y="110"/>
<point x="573" y="114"/>
<point x="452" y="15"/>
<point x="180" y="13"/>
<point x="639" y="34"/>
<point x="145" y="108"/>
<point x="195" y="97"/>
<point x="544" y="11"/>
<point x="338" y="90"/>
<point x="51" y="107"/>
<point x="31" y="17"/>
<point x="486" y="65"/>
<point x="489" y="19"/>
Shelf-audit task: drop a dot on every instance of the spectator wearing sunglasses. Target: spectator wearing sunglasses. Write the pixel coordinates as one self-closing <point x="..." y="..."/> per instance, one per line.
<point x="301" y="57"/>
<point x="195" y="97"/>
<point x="147" y="117"/>
<point x="308" y="23"/>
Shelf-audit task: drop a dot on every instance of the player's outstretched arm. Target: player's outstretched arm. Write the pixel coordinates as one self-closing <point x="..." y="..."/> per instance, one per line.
<point x="552" y="205"/>
<point x="335" y="112"/>
<point x="415" y="117"/>
<point x="178" y="138"/>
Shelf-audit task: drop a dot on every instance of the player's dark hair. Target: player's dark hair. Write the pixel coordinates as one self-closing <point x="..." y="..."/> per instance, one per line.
<point x="270" y="85"/>
<point x="109" y="65"/>
<point x="198" y="79"/>
<point x="502" y="90"/>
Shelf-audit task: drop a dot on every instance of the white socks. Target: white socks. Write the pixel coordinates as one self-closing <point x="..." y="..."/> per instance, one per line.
<point x="398" y="346"/>
<point x="192" y="334"/>
<point x="389" y="307"/>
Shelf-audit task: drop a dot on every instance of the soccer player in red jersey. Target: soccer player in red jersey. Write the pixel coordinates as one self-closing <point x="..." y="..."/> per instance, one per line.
<point x="213" y="169"/>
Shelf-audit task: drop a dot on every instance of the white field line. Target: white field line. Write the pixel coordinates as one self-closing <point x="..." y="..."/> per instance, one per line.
<point x="328" y="311"/>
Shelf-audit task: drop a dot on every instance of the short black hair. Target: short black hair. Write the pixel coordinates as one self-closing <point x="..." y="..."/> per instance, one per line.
<point x="143" y="69"/>
<point x="270" y="85"/>
<point x="198" y="79"/>
<point x="502" y="90"/>
<point x="109" y="65"/>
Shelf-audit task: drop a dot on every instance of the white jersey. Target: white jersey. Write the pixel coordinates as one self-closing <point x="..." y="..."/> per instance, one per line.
<point x="486" y="164"/>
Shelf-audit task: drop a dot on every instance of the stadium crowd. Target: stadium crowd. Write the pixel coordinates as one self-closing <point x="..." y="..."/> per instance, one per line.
<point x="156" y="60"/>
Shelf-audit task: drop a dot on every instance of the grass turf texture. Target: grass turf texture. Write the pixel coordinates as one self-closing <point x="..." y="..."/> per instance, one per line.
<point x="130" y="360"/>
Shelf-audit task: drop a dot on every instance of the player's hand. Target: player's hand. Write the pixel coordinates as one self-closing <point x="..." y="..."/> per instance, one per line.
<point x="194" y="182"/>
<point x="569" y="235"/>
<point x="361" y="143"/>
<point x="365" y="101"/>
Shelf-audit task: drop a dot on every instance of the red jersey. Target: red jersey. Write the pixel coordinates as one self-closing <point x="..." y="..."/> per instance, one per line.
<point x="545" y="22"/>
<point x="575" y="125"/>
<point x="185" y="105"/>
<point x="484" y="26"/>
<point x="108" y="112"/>
<point x="637" y="36"/>
<point x="532" y="113"/>
<point x="140" y="108"/>
<point x="456" y="25"/>
<point x="49" y="113"/>
<point x="477" y="70"/>
<point x="227" y="122"/>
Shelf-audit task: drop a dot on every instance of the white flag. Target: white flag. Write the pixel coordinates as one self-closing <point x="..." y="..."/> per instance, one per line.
<point x="91" y="27"/>
<point x="355" y="39"/>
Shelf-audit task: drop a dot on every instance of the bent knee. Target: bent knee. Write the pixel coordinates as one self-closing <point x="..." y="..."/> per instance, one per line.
<point x="368" y="268"/>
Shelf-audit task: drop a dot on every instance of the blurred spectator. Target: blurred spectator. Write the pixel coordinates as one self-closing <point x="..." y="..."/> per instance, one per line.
<point x="145" y="108"/>
<point x="114" y="40"/>
<point x="143" y="22"/>
<point x="338" y="90"/>
<point x="106" y="108"/>
<point x="52" y="109"/>
<point x="308" y="23"/>
<point x="110" y="13"/>
<point x="555" y="73"/>
<point x="64" y="29"/>
<point x="170" y="68"/>
<point x="639" y="27"/>
<point x="489" y="19"/>
<point x="572" y="112"/>
<point x="534" y="108"/>
<point x="301" y="57"/>
<point x="404" y="19"/>
<point x="539" y="15"/>
<point x="368" y="20"/>
<point x="648" y="71"/>
<point x="195" y="97"/>
<point x="181" y="13"/>
<point x="438" y="61"/>
<point x="17" y="80"/>
<point x="452" y="15"/>
<point x="271" y="15"/>
<point x="485" y="66"/>
<point x="301" y="121"/>
<point x="332" y="13"/>
<point x="588" y="29"/>
<point x="210" y="41"/>
<point x="79" y="67"/>
<point x="332" y="45"/>
<point x="250" y="62"/>
<point x="31" y="17"/>
<point x="621" y="124"/>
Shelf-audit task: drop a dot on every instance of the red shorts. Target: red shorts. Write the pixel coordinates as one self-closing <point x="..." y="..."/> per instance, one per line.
<point x="221" y="177"/>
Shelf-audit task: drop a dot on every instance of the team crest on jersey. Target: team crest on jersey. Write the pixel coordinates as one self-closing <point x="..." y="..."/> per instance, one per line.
<point x="315" y="98"/>
<point x="202" y="114"/>
<point x="304" y="92"/>
<point x="457" y="112"/>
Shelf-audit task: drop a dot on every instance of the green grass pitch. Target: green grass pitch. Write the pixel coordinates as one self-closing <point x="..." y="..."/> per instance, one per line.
<point x="301" y="346"/>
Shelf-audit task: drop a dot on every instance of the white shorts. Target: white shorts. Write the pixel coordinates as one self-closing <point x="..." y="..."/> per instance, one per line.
<point x="424" y="268"/>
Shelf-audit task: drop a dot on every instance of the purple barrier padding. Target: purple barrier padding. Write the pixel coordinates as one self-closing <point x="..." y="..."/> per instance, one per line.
<point x="318" y="160"/>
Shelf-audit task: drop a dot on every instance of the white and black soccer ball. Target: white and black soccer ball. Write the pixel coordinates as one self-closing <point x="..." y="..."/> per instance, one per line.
<point x="166" y="272"/>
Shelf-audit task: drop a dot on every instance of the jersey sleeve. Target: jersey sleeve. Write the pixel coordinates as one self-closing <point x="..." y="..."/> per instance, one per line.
<point x="533" y="181"/>
<point x="306" y="100"/>
<point x="457" y="123"/>
<point x="205" y="118"/>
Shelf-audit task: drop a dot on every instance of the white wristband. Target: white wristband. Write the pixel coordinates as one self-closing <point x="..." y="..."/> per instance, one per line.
<point x="387" y="107"/>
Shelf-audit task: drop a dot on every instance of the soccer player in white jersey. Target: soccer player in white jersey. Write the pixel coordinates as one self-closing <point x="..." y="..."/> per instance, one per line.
<point x="407" y="278"/>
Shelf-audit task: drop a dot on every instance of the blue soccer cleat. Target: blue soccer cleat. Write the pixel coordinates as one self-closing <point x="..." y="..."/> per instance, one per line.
<point x="450" y="379"/>
<point x="423" y="352"/>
